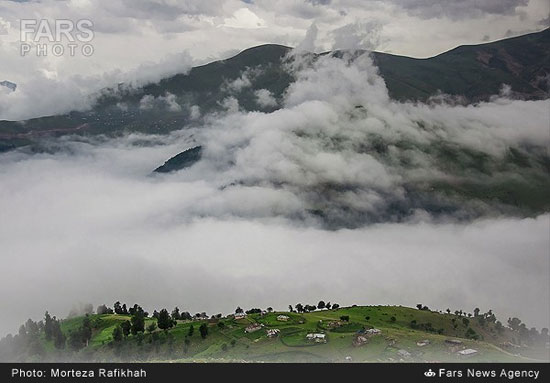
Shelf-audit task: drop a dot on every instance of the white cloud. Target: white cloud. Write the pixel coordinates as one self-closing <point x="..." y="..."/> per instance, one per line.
<point x="244" y="18"/>
<point x="265" y="98"/>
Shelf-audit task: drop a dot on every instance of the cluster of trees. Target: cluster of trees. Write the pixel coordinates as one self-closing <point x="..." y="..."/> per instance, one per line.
<point x="80" y="337"/>
<point x="136" y="324"/>
<point x="425" y="327"/>
<point x="529" y="336"/>
<point x="300" y="308"/>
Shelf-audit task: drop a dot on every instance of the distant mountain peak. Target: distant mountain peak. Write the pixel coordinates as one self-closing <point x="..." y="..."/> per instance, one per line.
<point x="10" y="85"/>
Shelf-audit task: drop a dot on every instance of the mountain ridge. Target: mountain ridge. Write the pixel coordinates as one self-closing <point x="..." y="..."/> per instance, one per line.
<point x="467" y="73"/>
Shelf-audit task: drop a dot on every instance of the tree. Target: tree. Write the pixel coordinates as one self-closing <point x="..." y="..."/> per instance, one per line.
<point x="335" y="306"/>
<point x="345" y="318"/>
<point x="290" y="308"/>
<point x="203" y="329"/>
<point x="103" y="309"/>
<point x="393" y="319"/>
<point x="117" y="334"/>
<point x="448" y="311"/>
<point x="514" y="323"/>
<point x="191" y="330"/>
<point x="328" y="305"/>
<point x="151" y="327"/>
<point x="176" y="313"/>
<point x="465" y="321"/>
<point x="138" y="322"/>
<point x="164" y="321"/>
<point x="31" y="327"/>
<point x="75" y="340"/>
<point x="48" y="326"/>
<point x="253" y="311"/>
<point x="476" y="311"/>
<point x="238" y="310"/>
<point x="321" y="305"/>
<point x="58" y="336"/>
<point x="419" y="306"/>
<point x="86" y="331"/>
<point x="299" y="307"/>
<point x="311" y="308"/>
<point x="117" y="308"/>
<point x="270" y="309"/>
<point x="126" y="327"/>
<point x="482" y="321"/>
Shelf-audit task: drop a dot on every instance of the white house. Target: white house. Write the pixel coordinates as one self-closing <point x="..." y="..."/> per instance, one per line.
<point x="317" y="337"/>
<point x="283" y="318"/>
<point x="240" y="315"/>
<point x="373" y="331"/>
<point x="273" y="332"/>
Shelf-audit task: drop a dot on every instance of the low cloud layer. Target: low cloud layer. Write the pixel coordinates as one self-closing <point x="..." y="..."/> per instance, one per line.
<point x="85" y="221"/>
<point x="89" y="227"/>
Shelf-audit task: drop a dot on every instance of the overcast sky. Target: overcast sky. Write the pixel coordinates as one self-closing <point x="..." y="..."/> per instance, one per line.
<point x="152" y="39"/>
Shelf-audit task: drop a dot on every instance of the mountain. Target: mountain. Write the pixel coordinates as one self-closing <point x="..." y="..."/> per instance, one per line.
<point x="469" y="72"/>
<point x="8" y="84"/>
<point x="474" y="72"/>
<point x="181" y="161"/>
<point x="356" y="334"/>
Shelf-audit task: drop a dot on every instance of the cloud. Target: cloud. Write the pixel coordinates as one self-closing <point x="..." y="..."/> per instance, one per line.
<point x="168" y="102"/>
<point x="308" y="43"/>
<point x="454" y="9"/>
<point x="265" y="98"/>
<point x="88" y="226"/>
<point x="244" y="18"/>
<point x="358" y="35"/>
<point x="77" y="92"/>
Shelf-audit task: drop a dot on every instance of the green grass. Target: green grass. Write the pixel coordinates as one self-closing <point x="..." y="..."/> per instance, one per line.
<point x="231" y="343"/>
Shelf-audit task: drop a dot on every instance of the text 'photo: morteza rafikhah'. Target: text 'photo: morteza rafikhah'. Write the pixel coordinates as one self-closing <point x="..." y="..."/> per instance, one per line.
<point x="312" y="186"/>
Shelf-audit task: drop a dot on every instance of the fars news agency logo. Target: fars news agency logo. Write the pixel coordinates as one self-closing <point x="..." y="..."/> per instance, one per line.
<point x="59" y="37"/>
<point x="429" y="374"/>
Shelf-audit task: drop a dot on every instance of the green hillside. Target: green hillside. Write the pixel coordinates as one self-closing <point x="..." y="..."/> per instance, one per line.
<point x="399" y="334"/>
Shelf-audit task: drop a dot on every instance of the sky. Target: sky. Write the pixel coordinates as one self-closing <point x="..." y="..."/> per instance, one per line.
<point x="137" y="40"/>
<point x="87" y="222"/>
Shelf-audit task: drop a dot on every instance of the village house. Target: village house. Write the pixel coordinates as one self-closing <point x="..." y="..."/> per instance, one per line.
<point x="334" y="324"/>
<point x="283" y="318"/>
<point x="317" y="337"/>
<point x="360" y="340"/>
<point x="404" y="353"/>
<point x="453" y="342"/>
<point x="468" y="352"/>
<point x="253" y="327"/>
<point x="240" y="316"/>
<point x="273" y="332"/>
<point x="373" y="331"/>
